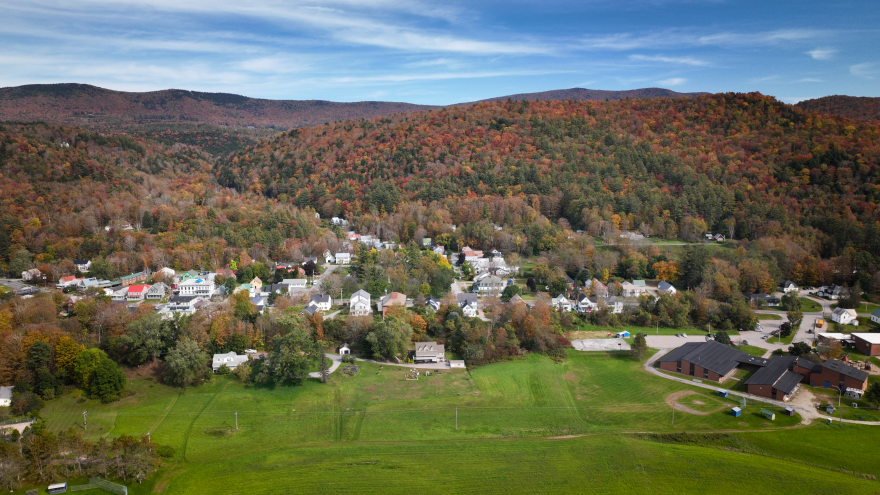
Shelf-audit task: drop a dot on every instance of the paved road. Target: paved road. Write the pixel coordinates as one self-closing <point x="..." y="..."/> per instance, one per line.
<point x="337" y="360"/>
<point x="804" y="407"/>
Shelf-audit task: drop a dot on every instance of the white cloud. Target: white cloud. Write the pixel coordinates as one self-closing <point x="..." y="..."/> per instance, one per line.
<point x="669" y="60"/>
<point x="822" y="53"/>
<point x="674" y="81"/>
<point x="810" y="79"/>
<point x="679" y="38"/>
<point x="865" y="70"/>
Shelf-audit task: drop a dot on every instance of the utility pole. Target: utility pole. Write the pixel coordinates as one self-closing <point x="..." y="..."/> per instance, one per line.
<point x="236" y="420"/>
<point x="85" y="421"/>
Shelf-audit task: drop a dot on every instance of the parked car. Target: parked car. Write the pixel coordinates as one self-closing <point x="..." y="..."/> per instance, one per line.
<point x="764" y="337"/>
<point x="26" y="291"/>
<point x="745" y="342"/>
<point x="684" y="335"/>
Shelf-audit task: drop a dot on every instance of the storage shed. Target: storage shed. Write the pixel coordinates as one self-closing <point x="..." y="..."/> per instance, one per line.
<point x="736" y="411"/>
<point x="789" y="411"/>
<point x="622" y="334"/>
<point x="768" y="414"/>
<point x="723" y="393"/>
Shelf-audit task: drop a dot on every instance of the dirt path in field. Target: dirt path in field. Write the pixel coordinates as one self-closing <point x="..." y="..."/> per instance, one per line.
<point x="671" y="398"/>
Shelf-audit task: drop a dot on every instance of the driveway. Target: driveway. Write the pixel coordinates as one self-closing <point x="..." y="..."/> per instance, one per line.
<point x="17" y="426"/>
<point x="337" y="360"/>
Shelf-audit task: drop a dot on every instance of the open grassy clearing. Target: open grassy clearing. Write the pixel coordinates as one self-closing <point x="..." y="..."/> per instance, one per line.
<point x="647" y="330"/>
<point x="765" y="316"/>
<point x="866" y="308"/>
<point x="371" y="432"/>
<point x="810" y="306"/>
<point x="752" y="350"/>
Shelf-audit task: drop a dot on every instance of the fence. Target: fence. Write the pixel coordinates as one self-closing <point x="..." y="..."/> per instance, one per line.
<point x="101" y="483"/>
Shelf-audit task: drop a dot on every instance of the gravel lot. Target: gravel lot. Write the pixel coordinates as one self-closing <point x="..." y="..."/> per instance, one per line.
<point x="600" y="345"/>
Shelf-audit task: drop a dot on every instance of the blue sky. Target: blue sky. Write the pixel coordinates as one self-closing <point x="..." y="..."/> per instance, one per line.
<point x="444" y="52"/>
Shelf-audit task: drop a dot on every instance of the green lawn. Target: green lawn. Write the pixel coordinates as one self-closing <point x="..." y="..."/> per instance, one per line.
<point x="862" y="310"/>
<point x="369" y="433"/>
<point x="810" y="306"/>
<point x="580" y="325"/>
<point x="763" y="316"/>
<point x="752" y="350"/>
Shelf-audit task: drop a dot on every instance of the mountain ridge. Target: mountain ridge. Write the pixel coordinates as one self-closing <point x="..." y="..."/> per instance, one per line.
<point x="854" y="107"/>
<point x="583" y="94"/>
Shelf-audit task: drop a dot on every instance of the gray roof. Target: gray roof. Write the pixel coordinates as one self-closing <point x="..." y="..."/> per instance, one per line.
<point x="319" y="298"/>
<point x="664" y="285"/>
<point x="846" y="370"/>
<point x="807" y="364"/>
<point x="310" y="309"/>
<point x="770" y="374"/>
<point x="467" y="297"/>
<point x="676" y="354"/>
<point x="713" y="356"/>
<point x="789" y="283"/>
<point x="182" y="299"/>
<point x="789" y="382"/>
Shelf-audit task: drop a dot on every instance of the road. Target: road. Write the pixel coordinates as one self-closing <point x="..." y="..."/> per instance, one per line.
<point x="337" y="360"/>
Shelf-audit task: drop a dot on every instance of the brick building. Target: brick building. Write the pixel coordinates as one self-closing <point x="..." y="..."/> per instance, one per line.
<point x="867" y="343"/>
<point x="709" y="360"/>
<point x="776" y="380"/>
<point x="835" y="374"/>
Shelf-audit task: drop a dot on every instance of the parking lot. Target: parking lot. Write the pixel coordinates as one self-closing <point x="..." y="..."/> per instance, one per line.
<point x="600" y="345"/>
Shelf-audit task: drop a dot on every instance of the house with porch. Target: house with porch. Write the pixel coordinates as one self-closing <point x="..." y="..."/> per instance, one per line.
<point x="83" y="265"/>
<point x="561" y="303"/>
<point x="231" y="360"/>
<point x="429" y="352"/>
<point x="359" y="304"/>
<point x="157" y="291"/>
<point x="844" y="316"/>
<point x="201" y="287"/>
<point x="630" y="289"/>
<point x="392" y="299"/>
<point x="136" y="292"/>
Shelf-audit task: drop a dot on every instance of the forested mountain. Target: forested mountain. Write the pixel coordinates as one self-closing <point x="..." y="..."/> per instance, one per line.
<point x="91" y="106"/>
<point x="595" y="94"/>
<point x="68" y="193"/>
<point x="743" y="164"/>
<point x="854" y="107"/>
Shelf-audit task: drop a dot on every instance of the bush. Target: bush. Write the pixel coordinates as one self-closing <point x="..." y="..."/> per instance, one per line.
<point x="106" y="399"/>
<point x="165" y="451"/>
<point x="223" y="370"/>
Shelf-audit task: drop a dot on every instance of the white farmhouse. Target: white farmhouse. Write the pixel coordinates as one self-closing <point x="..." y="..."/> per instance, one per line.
<point x="844" y="316"/>
<point x="230" y="359"/>
<point x="561" y="302"/>
<point x="359" y="304"/>
<point x="202" y="287"/>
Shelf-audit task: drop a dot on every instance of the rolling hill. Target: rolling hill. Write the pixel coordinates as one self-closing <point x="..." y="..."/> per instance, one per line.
<point x="854" y="107"/>
<point x="94" y="107"/>
<point x="580" y="94"/>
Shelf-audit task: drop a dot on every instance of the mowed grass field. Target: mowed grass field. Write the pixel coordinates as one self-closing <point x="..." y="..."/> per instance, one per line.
<point x="376" y="432"/>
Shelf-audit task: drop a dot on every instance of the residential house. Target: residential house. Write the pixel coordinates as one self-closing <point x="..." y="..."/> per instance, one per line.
<point x="394" y="298"/>
<point x="789" y="286"/>
<point x="260" y="302"/>
<point x="489" y="285"/>
<point x="665" y="287"/>
<point x="169" y="273"/>
<point x="32" y="275"/>
<point x="296" y="283"/>
<point x="67" y="281"/>
<point x="762" y="299"/>
<point x="6" y="396"/>
<point x="257" y="284"/>
<point x="434" y="303"/>
<point x="136" y="292"/>
<point x="875" y="316"/>
<point x="83" y="265"/>
<point x="119" y="294"/>
<point x="561" y="303"/>
<point x="343" y="258"/>
<point x="844" y="316"/>
<point x="197" y="287"/>
<point x="585" y="304"/>
<point x="359" y="304"/>
<point x="226" y="272"/>
<point x="516" y="299"/>
<point x="157" y="291"/>
<point x="322" y="301"/>
<point x="267" y="290"/>
<point x="231" y="360"/>
<point x="313" y="259"/>
<point x="133" y="278"/>
<point x="85" y="283"/>
<point x="832" y="292"/>
<point x="329" y="259"/>
<point x="309" y="311"/>
<point x="597" y="288"/>
<point x="245" y="288"/>
<point x="471" y="255"/>
<point x="439" y="250"/>
<point x="612" y="303"/>
<point x="181" y="304"/>
<point x="632" y="236"/>
<point x="867" y="343"/>
<point x="340" y="222"/>
<point x="719" y="237"/>
<point x="632" y="290"/>
<point x="468" y="303"/>
<point x="429" y="352"/>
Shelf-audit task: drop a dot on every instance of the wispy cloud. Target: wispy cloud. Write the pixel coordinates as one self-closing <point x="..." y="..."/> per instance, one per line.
<point x="865" y="70"/>
<point x="669" y="60"/>
<point x="810" y="80"/>
<point x="680" y="38"/>
<point x="822" y="53"/>
<point x="674" y="81"/>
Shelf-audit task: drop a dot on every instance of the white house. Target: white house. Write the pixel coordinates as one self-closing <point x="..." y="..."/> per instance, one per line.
<point x="585" y="304"/>
<point x="201" y="287"/>
<point x="83" y="265"/>
<point x="157" y="291"/>
<point x="322" y="301"/>
<point x="632" y="290"/>
<point x="296" y="283"/>
<point x="561" y="302"/>
<point x="32" y="275"/>
<point x="230" y="359"/>
<point x="329" y="259"/>
<point x="844" y="316"/>
<point x="341" y="222"/>
<point x="434" y="303"/>
<point x="490" y="284"/>
<point x="598" y="288"/>
<point x="180" y="304"/>
<point x="666" y="288"/>
<point x="830" y="291"/>
<point x="789" y="286"/>
<point x="614" y="304"/>
<point x="67" y="281"/>
<point x="469" y="309"/>
<point x="260" y="303"/>
<point x="6" y="396"/>
<point x="359" y="304"/>
<point x="429" y="352"/>
<point x="875" y="316"/>
<point x="343" y="258"/>
<point x="119" y="295"/>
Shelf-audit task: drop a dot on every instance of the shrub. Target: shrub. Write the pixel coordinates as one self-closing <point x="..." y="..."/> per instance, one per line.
<point x="166" y="451"/>
<point x="223" y="370"/>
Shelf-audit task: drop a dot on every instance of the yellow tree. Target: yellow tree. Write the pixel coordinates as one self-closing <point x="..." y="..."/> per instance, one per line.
<point x="66" y="352"/>
<point x="666" y="270"/>
<point x="419" y="326"/>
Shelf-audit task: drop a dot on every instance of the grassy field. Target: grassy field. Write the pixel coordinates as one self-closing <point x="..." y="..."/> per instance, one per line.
<point x="752" y="350"/>
<point x="810" y="306"/>
<point x="371" y="432"/>
<point x="764" y="316"/>
<point x="648" y="330"/>
<point x="862" y="308"/>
